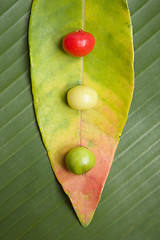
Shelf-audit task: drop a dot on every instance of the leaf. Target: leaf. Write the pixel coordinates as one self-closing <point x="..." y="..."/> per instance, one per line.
<point x="32" y="205"/>
<point x="108" y="70"/>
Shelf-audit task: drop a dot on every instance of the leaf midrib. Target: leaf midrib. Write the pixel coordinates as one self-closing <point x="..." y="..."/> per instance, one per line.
<point x="82" y="69"/>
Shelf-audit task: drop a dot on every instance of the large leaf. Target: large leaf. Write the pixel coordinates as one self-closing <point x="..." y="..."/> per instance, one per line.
<point x="108" y="70"/>
<point x="32" y="205"/>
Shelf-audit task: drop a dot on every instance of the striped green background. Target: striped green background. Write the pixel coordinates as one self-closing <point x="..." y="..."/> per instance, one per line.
<point x="32" y="203"/>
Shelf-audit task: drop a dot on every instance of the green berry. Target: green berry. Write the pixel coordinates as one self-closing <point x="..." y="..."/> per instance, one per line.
<point x="80" y="160"/>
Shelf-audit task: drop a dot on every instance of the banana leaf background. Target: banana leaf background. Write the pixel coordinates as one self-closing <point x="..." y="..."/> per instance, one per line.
<point x="32" y="202"/>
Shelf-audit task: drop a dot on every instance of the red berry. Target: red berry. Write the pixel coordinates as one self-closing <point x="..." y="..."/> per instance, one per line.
<point x="78" y="43"/>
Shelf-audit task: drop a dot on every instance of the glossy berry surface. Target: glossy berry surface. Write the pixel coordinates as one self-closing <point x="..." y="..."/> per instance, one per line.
<point x="80" y="160"/>
<point x="82" y="97"/>
<point x="78" y="43"/>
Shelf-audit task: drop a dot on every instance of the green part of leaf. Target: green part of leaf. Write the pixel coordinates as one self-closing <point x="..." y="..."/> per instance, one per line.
<point x="108" y="69"/>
